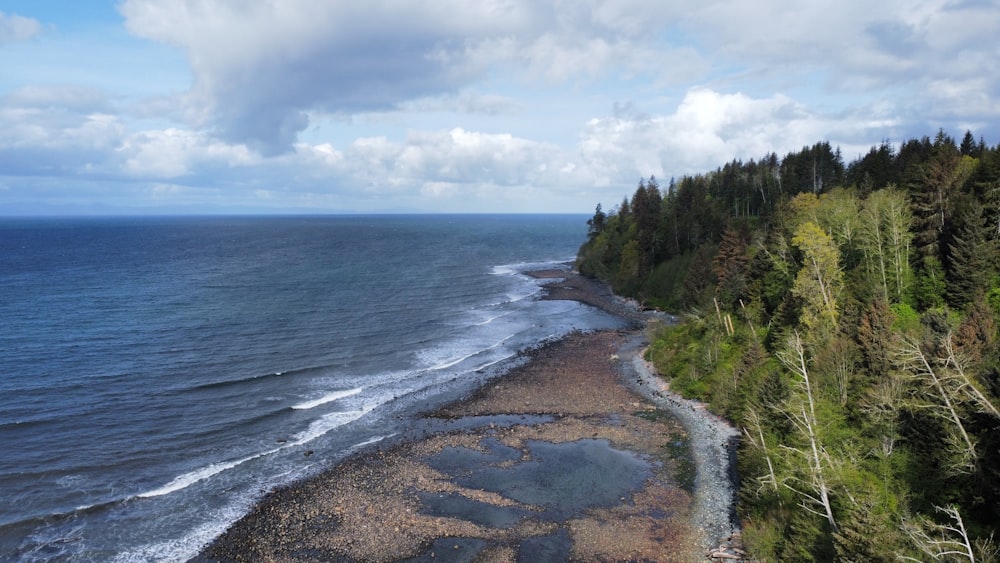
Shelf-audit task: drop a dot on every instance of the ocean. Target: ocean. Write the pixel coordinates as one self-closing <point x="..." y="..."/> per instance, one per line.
<point x="158" y="375"/>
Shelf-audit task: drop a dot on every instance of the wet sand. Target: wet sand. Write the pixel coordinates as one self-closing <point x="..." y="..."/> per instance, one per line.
<point x="559" y="460"/>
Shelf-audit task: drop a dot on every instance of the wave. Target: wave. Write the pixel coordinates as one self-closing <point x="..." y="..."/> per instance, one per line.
<point x="315" y="430"/>
<point x="327" y="423"/>
<point x="518" y="268"/>
<point x="328" y="398"/>
<point x="256" y="378"/>
<point x="187" y="479"/>
<point x="438" y="363"/>
<point x="188" y="546"/>
<point x="490" y="319"/>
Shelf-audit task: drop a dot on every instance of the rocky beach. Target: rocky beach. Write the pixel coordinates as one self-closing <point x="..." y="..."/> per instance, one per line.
<point x="579" y="454"/>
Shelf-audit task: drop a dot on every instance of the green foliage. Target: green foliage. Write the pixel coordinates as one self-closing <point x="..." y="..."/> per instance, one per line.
<point x="906" y="320"/>
<point x="930" y="285"/>
<point x="627" y="278"/>
<point x="819" y="283"/>
<point x="892" y="409"/>
<point x="665" y="285"/>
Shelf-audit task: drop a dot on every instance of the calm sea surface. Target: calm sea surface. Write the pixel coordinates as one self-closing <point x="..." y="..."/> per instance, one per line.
<point x="158" y="375"/>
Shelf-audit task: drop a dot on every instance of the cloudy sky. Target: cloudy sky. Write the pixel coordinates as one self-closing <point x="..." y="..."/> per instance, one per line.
<point x="166" y="106"/>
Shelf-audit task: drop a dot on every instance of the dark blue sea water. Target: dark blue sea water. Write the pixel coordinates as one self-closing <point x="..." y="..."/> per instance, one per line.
<point x="158" y="375"/>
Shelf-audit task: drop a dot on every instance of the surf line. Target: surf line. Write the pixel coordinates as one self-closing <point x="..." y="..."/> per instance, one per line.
<point x="328" y="398"/>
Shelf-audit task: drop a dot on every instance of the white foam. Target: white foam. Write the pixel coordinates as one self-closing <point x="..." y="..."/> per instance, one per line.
<point x="529" y="291"/>
<point x="521" y="267"/>
<point x="328" y="398"/>
<point x="184" y="548"/>
<point x="368" y="442"/>
<point x="188" y="546"/>
<point x="328" y="423"/>
<point x="447" y="363"/>
<point x="490" y="319"/>
<point x="505" y="270"/>
<point x="187" y="479"/>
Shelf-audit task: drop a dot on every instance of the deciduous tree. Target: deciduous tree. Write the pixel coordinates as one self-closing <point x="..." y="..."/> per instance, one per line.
<point x="819" y="282"/>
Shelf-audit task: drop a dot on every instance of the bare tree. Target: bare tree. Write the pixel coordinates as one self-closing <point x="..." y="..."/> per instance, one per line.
<point x="947" y="542"/>
<point x="814" y="489"/>
<point x="882" y="407"/>
<point x="932" y="390"/>
<point x="755" y="434"/>
<point x="962" y="382"/>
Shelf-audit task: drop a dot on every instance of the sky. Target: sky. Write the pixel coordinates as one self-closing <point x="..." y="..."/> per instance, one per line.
<point x="519" y="106"/>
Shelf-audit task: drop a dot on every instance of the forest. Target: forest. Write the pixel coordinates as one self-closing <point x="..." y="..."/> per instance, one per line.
<point x="844" y="317"/>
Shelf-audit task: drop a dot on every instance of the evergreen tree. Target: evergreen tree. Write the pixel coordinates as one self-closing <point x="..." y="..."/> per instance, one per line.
<point x="969" y="146"/>
<point x="596" y="224"/>
<point x="730" y="267"/>
<point x="932" y="200"/>
<point x="973" y="259"/>
<point x="876" y="339"/>
<point x="889" y="403"/>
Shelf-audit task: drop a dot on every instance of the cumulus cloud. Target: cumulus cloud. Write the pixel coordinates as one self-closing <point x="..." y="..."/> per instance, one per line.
<point x="261" y="68"/>
<point x="66" y="129"/>
<point x="62" y="96"/>
<point x="708" y="129"/>
<point x="15" y="28"/>
<point x="454" y="157"/>
<point x="468" y="168"/>
<point x="464" y="102"/>
<point x="476" y="105"/>
<point x="56" y="130"/>
<point x="174" y="153"/>
<point x="863" y="48"/>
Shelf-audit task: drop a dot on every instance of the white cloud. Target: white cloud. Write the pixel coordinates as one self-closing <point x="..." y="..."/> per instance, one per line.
<point x="174" y="153"/>
<point x="868" y="49"/>
<point x="15" y="28"/>
<point x="455" y="157"/>
<point x="486" y="105"/>
<point x="709" y="129"/>
<point x="58" y="117"/>
<point x="261" y="68"/>
<point x="464" y="102"/>
<point x="68" y="96"/>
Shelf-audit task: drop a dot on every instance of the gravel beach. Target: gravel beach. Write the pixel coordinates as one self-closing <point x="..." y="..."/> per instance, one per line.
<point x="579" y="454"/>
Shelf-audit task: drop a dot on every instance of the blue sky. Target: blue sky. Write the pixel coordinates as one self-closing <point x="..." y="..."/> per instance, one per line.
<point x="232" y="106"/>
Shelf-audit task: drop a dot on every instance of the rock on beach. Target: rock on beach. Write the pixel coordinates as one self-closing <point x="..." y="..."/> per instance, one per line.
<point x="567" y="457"/>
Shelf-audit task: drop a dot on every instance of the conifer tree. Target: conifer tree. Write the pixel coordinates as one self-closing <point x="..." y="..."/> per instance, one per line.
<point x="932" y="200"/>
<point x="974" y="255"/>
<point x="730" y="267"/>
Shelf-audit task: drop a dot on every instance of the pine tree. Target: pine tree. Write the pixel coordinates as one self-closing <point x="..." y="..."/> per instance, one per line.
<point x="973" y="259"/>
<point x="730" y="267"/>
<point x="977" y="334"/>
<point x="968" y="146"/>
<point x="932" y="200"/>
<point x="596" y="223"/>
<point x="875" y="338"/>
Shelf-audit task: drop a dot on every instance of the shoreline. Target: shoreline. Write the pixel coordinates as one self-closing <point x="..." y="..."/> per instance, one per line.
<point x="713" y="441"/>
<point x="496" y="476"/>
